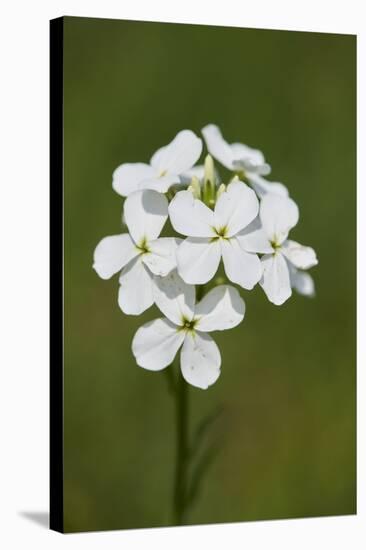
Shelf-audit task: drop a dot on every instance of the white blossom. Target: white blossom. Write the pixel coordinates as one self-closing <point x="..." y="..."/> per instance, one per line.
<point x="234" y="156"/>
<point x="240" y="158"/>
<point x="165" y="168"/>
<point x="262" y="186"/>
<point x="212" y="235"/>
<point x="301" y="281"/>
<point x="140" y="254"/>
<point x="283" y="258"/>
<point x="245" y="226"/>
<point x="187" y="324"/>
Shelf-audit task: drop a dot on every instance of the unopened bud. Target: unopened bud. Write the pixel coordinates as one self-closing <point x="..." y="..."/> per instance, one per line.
<point x="209" y="177"/>
<point x="195" y="187"/>
<point x="209" y="183"/>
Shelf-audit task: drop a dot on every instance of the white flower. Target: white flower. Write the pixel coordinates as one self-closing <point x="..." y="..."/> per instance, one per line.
<point x="277" y="216"/>
<point x="141" y="253"/>
<point x="186" y="324"/>
<point x="301" y="281"/>
<point x="261" y="186"/>
<point x="164" y="169"/>
<point x="242" y="159"/>
<point x="234" y="156"/>
<point x="214" y="234"/>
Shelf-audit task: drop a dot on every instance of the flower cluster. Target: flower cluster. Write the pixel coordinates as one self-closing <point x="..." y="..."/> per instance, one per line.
<point x="244" y="224"/>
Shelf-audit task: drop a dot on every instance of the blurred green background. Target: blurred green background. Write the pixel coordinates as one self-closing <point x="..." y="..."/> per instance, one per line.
<point x="287" y="388"/>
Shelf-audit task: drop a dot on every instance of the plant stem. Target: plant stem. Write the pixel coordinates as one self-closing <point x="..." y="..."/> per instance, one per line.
<point x="180" y="485"/>
<point x="180" y="388"/>
<point x="200" y="290"/>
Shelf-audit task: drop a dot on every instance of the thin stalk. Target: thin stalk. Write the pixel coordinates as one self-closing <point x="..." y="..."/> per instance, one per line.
<point x="180" y="484"/>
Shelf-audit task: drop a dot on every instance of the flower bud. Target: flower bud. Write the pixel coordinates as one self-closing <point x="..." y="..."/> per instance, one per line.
<point x="209" y="182"/>
<point x="195" y="187"/>
<point x="209" y="170"/>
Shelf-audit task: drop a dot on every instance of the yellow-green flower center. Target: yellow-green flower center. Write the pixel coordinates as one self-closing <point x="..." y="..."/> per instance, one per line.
<point x="142" y="246"/>
<point x="275" y="245"/>
<point x="220" y="232"/>
<point x="188" y="325"/>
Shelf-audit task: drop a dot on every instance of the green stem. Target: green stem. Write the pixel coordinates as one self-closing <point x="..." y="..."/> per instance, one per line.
<point x="180" y="388"/>
<point x="180" y="485"/>
<point x="200" y="290"/>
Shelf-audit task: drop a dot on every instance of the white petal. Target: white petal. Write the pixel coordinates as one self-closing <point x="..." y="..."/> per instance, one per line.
<point x="222" y="308"/>
<point x="249" y="169"/>
<point x="156" y="343"/>
<point x="262" y="186"/>
<point x="127" y="177"/>
<point x="278" y="215"/>
<point x="179" y="155"/>
<point x="302" y="257"/>
<point x="263" y="170"/>
<point x="145" y="214"/>
<point x="276" y="278"/>
<point x="200" y="360"/>
<point x="175" y="298"/>
<point x="236" y="208"/>
<point x="136" y="291"/>
<point x="253" y="239"/>
<point x="161" y="185"/>
<point x="243" y="152"/>
<point x="112" y="253"/>
<point x="249" y="159"/>
<point x="198" y="260"/>
<point x="302" y="282"/>
<point x="217" y="146"/>
<point x="241" y="267"/>
<point x="161" y="258"/>
<point x="190" y="216"/>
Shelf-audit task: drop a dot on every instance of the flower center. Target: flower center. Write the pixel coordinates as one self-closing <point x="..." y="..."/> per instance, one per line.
<point x="275" y="245"/>
<point x="220" y="232"/>
<point x="162" y="173"/>
<point x="188" y="325"/>
<point x="143" y="246"/>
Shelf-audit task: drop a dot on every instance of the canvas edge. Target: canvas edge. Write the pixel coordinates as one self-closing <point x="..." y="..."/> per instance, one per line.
<point x="56" y="518"/>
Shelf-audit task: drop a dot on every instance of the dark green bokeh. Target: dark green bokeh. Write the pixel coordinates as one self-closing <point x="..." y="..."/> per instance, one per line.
<point x="288" y="375"/>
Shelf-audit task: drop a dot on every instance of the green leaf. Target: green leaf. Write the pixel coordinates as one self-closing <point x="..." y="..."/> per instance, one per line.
<point x="200" y="471"/>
